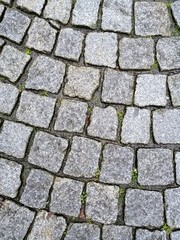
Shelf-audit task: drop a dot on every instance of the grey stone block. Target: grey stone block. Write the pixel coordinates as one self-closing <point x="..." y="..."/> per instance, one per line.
<point x="34" y="6"/>
<point x="175" y="235"/>
<point x="174" y="87"/>
<point x="143" y="234"/>
<point x="177" y="161"/>
<point x="176" y="11"/>
<point x="116" y="232"/>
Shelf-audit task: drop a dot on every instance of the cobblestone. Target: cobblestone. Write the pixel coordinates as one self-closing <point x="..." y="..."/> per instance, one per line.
<point x="174" y="87"/>
<point x="116" y="232"/>
<point x="176" y="11"/>
<point x="175" y="235"/>
<point x="35" y="6"/>
<point x="143" y="234"/>
<point x="177" y="161"/>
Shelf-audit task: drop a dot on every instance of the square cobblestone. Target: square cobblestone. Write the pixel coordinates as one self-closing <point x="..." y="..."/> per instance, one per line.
<point x="83" y="158"/>
<point x="14" y="138"/>
<point x="48" y="151"/>
<point x="175" y="235"/>
<point x="117" y="87"/>
<point x="174" y="87"/>
<point x="136" y="53"/>
<point x="35" y="109"/>
<point x="144" y="208"/>
<point x="143" y="234"/>
<point x="116" y="232"/>
<point x="66" y="196"/>
<point x="155" y="166"/>
<point x="175" y="6"/>
<point x="177" y="161"/>
<point x="37" y="188"/>
<point x="46" y="74"/>
<point x="34" y="6"/>
<point x="12" y="63"/>
<point x="101" y="49"/>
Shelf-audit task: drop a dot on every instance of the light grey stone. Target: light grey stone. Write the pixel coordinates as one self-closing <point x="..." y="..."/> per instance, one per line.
<point x="168" y="53"/>
<point x="66" y="196"/>
<point x="2" y="42"/>
<point x="150" y="90"/>
<point x="136" y="126"/>
<point x="71" y="116"/>
<point x="112" y="232"/>
<point x="48" y="151"/>
<point x="14" y="25"/>
<point x="85" y="13"/>
<point x="175" y="235"/>
<point x="69" y="44"/>
<point x="83" y="231"/>
<point x="174" y="87"/>
<point x="41" y="36"/>
<point x="58" y="10"/>
<point x="172" y="200"/>
<point x="8" y="97"/>
<point x="176" y="11"/>
<point x="82" y="82"/>
<point x="34" y="6"/>
<point x="137" y="53"/>
<point x="166" y="127"/>
<point x="143" y="234"/>
<point x="12" y="63"/>
<point x="15" y="221"/>
<point x="47" y="226"/>
<point x="144" y="208"/>
<point x="9" y="177"/>
<point x="102" y="203"/>
<point x="155" y="166"/>
<point x="101" y="49"/>
<point x="117" y="15"/>
<point x="177" y="161"/>
<point x="1" y="9"/>
<point x="83" y="158"/>
<point x="14" y="138"/>
<point x="35" y="109"/>
<point x="37" y="188"/>
<point x="117" y="164"/>
<point x="117" y="87"/>
<point x="46" y="74"/>
<point x="104" y="123"/>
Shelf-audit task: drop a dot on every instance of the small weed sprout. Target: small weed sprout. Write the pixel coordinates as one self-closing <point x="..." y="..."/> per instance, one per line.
<point x="154" y="66"/>
<point x="97" y="173"/>
<point x="28" y="51"/>
<point x="121" y="193"/>
<point x="167" y="229"/>
<point x="83" y="197"/>
<point x="120" y="115"/>
<point x="168" y="4"/>
<point x="176" y="31"/>
<point x="44" y="93"/>
<point x="21" y="87"/>
<point x="134" y="175"/>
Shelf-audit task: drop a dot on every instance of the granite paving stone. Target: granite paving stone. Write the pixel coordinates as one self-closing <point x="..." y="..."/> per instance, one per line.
<point x="143" y="234"/>
<point x="34" y="6"/>
<point x="117" y="232"/>
<point x="174" y="87"/>
<point x="177" y="161"/>
<point x="175" y="235"/>
<point x="175" y="6"/>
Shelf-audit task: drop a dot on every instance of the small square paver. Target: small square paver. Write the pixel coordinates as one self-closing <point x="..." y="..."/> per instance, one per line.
<point x="14" y="25"/>
<point x="15" y="221"/>
<point x="117" y="164"/>
<point x="168" y="53"/>
<point x="35" y="109"/>
<point x="175" y="235"/>
<point x="118" y="87"/>
<point x="8" y="97"/>
<point x="69" y="44"/>
<point x="144" y="208"/>
<point x="136" y="126"/>
<point x="101" y="49"/>
<point x="41" y="36"/>
<point x="175" y="6"/>
<point x="172" y="200"/>
<point x="48" y="151"/>
<point x="166" y="127"/>
<point x="66" y="196"/>
<point x="117" y="232"/>
<point x="46" y="74"/>
<point x="47" y="226"/>
<point x="14" y="138"/>
<point x="102" y="203"/>
<point x="83" y="158"/>
<point x="143" y="234"/>
<point x="12" y="63"/>
<point x="9" y="177"/>
<point x="174" y="87"/>
<point x="34" y="6"/>
<point x="37" y="188"/>
<point x="137" y="53"/>
<point x="177" y="161"/>
<point x="104" y="123"/>
<point x="82" y="82"/>
<point x="155" y="166"/>
<point x="117" y="15"/>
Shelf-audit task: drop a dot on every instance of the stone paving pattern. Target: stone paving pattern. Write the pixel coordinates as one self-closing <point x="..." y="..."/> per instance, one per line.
<point x="89" y="120"/>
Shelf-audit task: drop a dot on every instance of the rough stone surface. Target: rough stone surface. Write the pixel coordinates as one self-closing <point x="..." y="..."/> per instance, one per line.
<point x="14" y="138"/>
<point x="83" y="158"/>
<point x="102" y="203"/>
<point x="12" y="63"/>
<point x="2" y="42"/>
<point x="46" y="74"/>
<point x="35" y="109"/>
<point x="174" y="86"/>
<point x="37" y="189"/>
<point x="176" y="11"/>
<point x="7" y="1"/>
<point x="136" y="53"/>
<point x="166" y="126"/>
<point x="48" y="151"/>
<point x="175" y="235"/>
<point x="104" y="123"/>
<point x="155" y="166"/>
<point x="34" y="6"/>
<point x="9" y="177"/>
<point x="144" y="208"/>
<point x="66" y="196"/>
<point x="136" y="126"/>
<point x="177" y="161"/>
<point x="117" y="164"/>
<point x="116" y="232"/>
<point x="101" y="49"/>
<point x="14" y="221"/>
<point x="82" y="82"/>
<point x="117" y="87"/>
<point x="143" y="234"/>
<point x="1" y="9"/>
